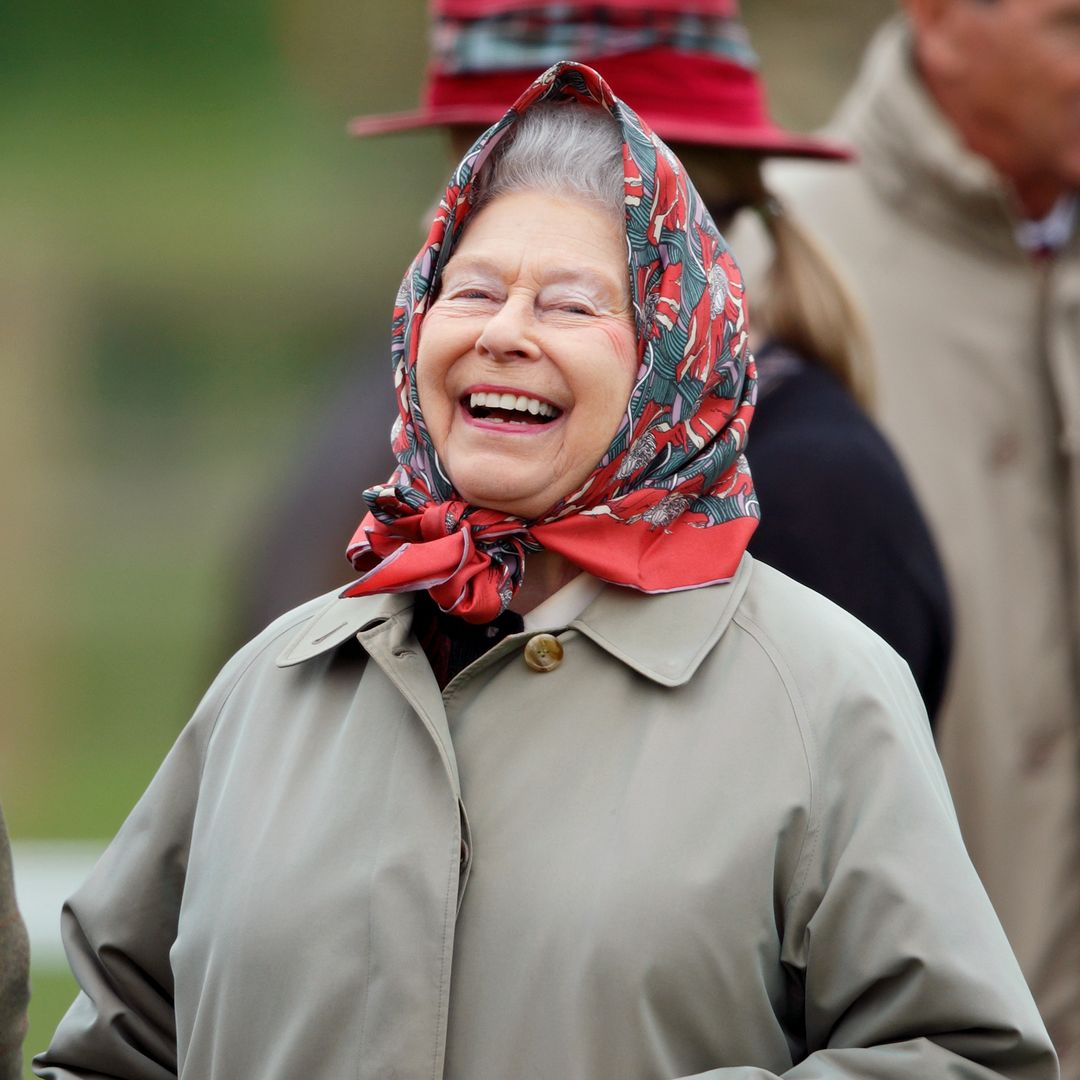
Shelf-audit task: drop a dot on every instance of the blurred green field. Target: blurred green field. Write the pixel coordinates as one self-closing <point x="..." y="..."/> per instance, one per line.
<point x="190" y="247"/>
<point x="53" y="993"/>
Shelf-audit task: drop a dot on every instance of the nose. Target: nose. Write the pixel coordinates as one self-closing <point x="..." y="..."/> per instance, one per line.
<point x="510" y="333"/>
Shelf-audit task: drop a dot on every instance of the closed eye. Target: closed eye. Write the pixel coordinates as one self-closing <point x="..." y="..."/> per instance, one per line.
<point x="567" y="306"/>
<point x="566" y="301"/>
<point x="475" y="295"/>
<point x="472" y="294"/>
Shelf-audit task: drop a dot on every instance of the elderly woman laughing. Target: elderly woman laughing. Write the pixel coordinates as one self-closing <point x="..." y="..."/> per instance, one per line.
<point x="565" y="785"/>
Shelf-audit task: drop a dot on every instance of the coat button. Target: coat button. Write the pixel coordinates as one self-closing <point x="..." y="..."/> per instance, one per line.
<point x="543" y="652"/>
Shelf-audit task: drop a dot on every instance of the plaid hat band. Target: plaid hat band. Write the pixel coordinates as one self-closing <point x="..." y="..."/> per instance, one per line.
<point x="713" y="91"/>
<point x="535" y="37"/>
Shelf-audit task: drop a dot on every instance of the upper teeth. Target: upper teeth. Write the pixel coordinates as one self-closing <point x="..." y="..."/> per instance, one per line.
<point x="518" y="402"/>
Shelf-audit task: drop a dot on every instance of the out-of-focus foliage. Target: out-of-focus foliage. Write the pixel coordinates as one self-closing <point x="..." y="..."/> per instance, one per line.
<point x="189" y="244"/>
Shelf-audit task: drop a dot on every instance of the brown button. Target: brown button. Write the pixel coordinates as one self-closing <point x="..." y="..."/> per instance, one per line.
<point x="543" y="652"/>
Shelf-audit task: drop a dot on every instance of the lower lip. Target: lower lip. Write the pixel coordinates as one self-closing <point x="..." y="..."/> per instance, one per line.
<point x="503" y="428"/>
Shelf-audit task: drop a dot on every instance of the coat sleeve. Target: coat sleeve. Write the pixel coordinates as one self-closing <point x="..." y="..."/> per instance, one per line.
<point x="14" y="969"/>
<point x="119" y="926"/>
<point x="904" y="968"/>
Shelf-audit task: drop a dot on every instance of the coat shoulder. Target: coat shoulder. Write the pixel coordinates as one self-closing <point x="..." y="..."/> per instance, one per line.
<point x="831" y="662"/>
<point x="800" y="620"/>
<point x="272" y="638"/>
<point x="793" y="177"/>
<point x="852" y="698"/>
<point x="262" y="651"/>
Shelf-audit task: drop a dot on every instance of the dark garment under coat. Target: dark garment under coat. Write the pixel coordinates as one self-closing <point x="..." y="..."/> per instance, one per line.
<point x="839" y="515"/>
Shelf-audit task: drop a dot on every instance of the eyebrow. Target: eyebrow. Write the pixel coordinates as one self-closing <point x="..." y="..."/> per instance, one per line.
<point x="466" y="264"/>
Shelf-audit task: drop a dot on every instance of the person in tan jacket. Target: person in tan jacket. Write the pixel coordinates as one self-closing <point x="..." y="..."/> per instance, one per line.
<point x="957" y="228"/>
<point x="14" y="968"/>
<point x="565" y="786"/>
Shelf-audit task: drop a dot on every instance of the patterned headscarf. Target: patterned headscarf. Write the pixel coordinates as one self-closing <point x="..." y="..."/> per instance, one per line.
<point x="671" y="504"/>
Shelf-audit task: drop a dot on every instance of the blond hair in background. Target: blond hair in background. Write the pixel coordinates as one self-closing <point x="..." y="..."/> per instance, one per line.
<point x="806" y="305"/>
<point x="802" y="302"/>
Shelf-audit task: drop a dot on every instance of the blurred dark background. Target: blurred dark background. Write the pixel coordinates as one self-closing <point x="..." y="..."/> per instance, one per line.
<point x="190" y="250"/>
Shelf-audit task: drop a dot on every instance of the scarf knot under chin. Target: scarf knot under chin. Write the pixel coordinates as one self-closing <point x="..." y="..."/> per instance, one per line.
<point x="671" y="504"/>
<point x="470" y="560"/>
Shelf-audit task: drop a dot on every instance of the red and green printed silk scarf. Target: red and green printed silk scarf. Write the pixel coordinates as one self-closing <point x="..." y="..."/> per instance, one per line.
<point x="671" y="504"/>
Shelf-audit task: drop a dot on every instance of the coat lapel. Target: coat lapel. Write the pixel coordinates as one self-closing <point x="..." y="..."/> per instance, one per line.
<point x="382" y="625"/>
<point x="678" y="631"/>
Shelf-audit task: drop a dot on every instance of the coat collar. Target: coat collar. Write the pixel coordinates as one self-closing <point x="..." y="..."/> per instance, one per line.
<point x="664" y="637"/>
<point x="913" y="156"/>
<point x="344" y="617"/>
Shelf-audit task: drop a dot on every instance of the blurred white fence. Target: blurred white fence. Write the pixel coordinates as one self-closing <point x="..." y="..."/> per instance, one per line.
<point x="47" y="872"/>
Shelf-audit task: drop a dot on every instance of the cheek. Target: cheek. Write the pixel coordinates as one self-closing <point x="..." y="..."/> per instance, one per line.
<point x="610" y="380"/>
<point x="423" y="387"/>
<point x="622" y="364"/>
<point x="433" y="406"/>
<point x="432" y="364"/>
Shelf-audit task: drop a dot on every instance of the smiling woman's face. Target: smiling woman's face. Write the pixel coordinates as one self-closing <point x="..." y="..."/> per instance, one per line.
<point x="528" y="356"/>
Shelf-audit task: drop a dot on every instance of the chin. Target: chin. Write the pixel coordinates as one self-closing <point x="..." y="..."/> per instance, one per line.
<point x="502" y="497"/>
<point x="495" y="483"/>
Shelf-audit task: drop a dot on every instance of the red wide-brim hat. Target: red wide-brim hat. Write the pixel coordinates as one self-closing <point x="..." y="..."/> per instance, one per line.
<point x="685" y="66"/>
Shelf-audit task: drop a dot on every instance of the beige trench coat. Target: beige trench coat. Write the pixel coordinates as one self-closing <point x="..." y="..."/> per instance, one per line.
<point x="979" y="367"/>
<point x="714" y="840"/>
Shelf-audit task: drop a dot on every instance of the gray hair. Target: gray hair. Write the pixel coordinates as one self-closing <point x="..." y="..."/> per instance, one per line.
<point x="571" y="150"/>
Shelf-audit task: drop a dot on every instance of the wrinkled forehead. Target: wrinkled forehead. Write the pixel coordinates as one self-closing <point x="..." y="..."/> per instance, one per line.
<point x="545" y="242"/>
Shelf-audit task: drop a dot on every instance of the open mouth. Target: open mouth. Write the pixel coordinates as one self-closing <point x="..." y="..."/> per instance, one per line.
<point x="500" y="408"/>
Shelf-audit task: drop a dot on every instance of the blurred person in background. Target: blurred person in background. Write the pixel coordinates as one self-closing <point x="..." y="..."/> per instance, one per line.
<point x="854" y="534"/>
<point x="486" y="815"/>
<point x="957" y="224"/>
<point x="14" y="968"/>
